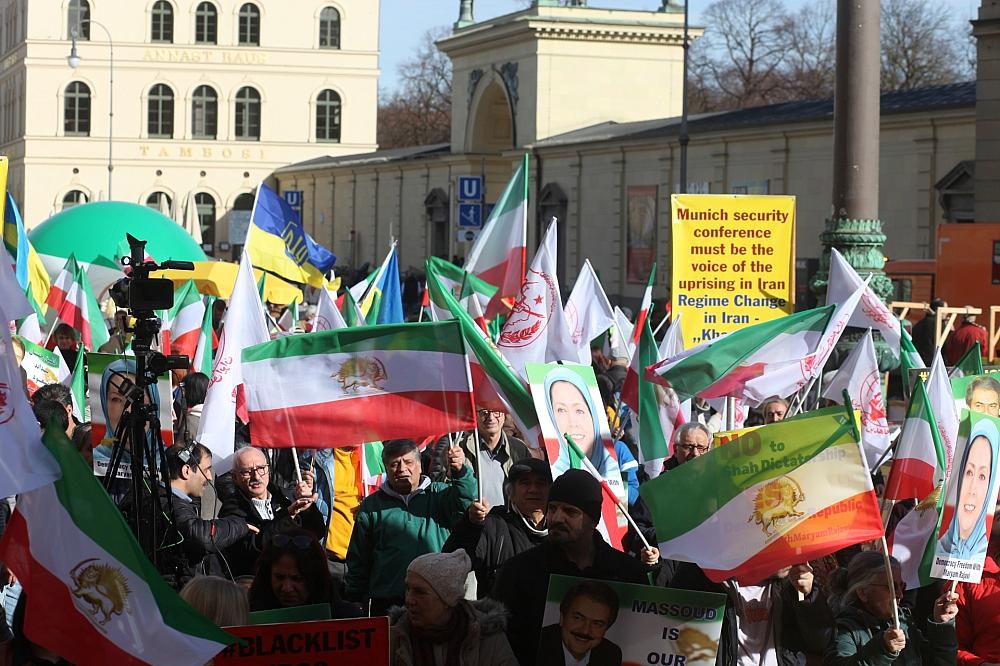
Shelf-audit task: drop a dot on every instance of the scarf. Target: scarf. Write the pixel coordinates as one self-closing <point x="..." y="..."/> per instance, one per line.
<point x="452" y="633"/>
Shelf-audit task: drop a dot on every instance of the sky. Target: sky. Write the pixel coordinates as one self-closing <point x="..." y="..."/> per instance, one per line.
<point x="403" y="22"/>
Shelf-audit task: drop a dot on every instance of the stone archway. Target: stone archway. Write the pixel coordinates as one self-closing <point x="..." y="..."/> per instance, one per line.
<point x="492" y="129"/>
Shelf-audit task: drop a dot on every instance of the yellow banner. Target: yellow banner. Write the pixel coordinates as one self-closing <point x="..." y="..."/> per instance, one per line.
<point x="733" y="261"/>
<point x="720" y="438"/>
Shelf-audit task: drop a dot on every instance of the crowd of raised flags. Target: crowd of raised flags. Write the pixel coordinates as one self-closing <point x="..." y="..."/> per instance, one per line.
<point x="479" y="325"/>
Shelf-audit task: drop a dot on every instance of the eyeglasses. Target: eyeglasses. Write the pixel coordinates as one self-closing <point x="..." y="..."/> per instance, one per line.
<point x="260" y="471"/>
<point x="489" y="413"/>
<point x="691" y="448"/>
<point x="299" y="542"/>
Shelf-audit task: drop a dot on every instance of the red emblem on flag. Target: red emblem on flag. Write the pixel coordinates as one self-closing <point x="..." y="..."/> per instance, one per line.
<point x="530" y="314"/>
<point x="6" y="409"/>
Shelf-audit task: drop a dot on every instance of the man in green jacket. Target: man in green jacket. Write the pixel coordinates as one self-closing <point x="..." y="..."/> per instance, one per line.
<point x="407" y="517"/>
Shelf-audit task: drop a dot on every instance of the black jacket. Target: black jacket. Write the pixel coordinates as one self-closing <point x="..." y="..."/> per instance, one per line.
<point x="801" y="627"/>
<point x="522" y="584"/>
<point x="242" y="555"/>
<point x="501" y="537"/>
<point x="550" y="650"/>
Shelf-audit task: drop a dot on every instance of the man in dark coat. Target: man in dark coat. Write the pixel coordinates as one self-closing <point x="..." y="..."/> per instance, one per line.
<point x="574" y="547"/>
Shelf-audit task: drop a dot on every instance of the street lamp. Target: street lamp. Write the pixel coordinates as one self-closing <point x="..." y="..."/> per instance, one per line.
<point x="74" y="60"/>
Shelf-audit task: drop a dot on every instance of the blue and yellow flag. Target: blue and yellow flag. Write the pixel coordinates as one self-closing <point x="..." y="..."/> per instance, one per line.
<point x="28" y="266"/>
<point x="278" y="243"/>
<point x="383" y="301"/>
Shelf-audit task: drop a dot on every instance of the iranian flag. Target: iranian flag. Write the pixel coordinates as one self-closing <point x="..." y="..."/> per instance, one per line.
<point x="919" y="464"/>
<point x="183" y="325"/>
<point x="93" y="596"/>
<point x="786" y="493"/>
<point x="647" y="302"/>
<point x="495" y="384"/>
<point x="371" y="471"/>
<point x="338" y="388"/>
<point x="499" y="254"/>
<point x="78" y="388"/>
<point x="74" y="303"/>
<point x="872" y="312"/>
<point x="609" y="527"/>
<point x="30" y="327"/>
<point x="353" y="316"/>
<point x="914" y="539"/>
<point x="328" y="317"/>
<point x="462" y="284"/>
<point x="657" y="408"/>
<point x="202" y="359"/>
<point x="970" y="364"/>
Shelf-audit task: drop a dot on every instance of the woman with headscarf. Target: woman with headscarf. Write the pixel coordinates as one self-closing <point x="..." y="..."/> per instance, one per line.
<point x="975" y="487"/>
<point x="113" y="405"/>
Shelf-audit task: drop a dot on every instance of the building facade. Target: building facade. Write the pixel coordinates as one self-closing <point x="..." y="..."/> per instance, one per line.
<point x="208" y="98"/>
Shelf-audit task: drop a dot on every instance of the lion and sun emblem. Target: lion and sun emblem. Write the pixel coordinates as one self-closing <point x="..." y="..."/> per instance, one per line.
<point x="100" y="590"/>
<point x="775" y="503"/>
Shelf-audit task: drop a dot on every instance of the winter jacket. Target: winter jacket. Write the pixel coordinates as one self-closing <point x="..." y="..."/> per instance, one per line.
<point x="522" y="585"/>
<point x="503" y="535"/>
<point x="802" y="626"/>
<point x="978" y="621"/>
<point x="485" y="642"/>
<point x="858" y="642"/>
<point x="390" y="530"/>
<point x="515" y="450"/>
<point x="242" y="555"/>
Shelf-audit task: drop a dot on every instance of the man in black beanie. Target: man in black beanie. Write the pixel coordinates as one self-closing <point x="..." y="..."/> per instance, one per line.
<point x="574" y="547"/>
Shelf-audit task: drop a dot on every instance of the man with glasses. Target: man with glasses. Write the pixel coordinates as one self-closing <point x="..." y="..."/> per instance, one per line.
<point x="260" y="502"/>
<point x="690" y="441"/>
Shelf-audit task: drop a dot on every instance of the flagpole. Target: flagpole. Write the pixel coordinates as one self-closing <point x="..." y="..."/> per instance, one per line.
<point x="892" y="585"/>
<point x="660" y="325"/>
<point x="479" y="473"/>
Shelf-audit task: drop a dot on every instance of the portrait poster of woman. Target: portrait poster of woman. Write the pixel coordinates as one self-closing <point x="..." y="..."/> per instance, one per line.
<point x="969" y="500"/>
<point x="568" y="401"/>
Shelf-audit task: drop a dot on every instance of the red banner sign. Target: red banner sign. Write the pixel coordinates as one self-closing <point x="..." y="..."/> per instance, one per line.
<point x="358" y="642"/>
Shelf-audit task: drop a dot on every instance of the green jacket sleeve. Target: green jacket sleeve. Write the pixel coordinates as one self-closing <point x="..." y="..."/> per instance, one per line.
<point x="457" y="497"/>
<point x="359" y="559"/>
<point x="854" y="647"/>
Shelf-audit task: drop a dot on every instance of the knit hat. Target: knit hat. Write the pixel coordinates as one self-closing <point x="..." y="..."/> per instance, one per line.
<point x="446" y="573"/>
<point x="529" y="466"/>
<point x="579" y="488"/>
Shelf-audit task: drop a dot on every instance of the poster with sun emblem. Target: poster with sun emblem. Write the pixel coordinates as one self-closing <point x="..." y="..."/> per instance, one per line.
<point x="969" y="499"/>
<point x="610" y="624"/>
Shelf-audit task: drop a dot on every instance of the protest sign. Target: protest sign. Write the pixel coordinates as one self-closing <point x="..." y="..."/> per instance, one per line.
<point x="724" y="436"/>
<point x="641" y="624"/>
<point x="733" y="262"/>
<point x="106" y="372"/>
<point x="40" y="365"/>
<point x="978" y="393"/>
<point x="969" y="497"/>
<point x="359" y="642"/>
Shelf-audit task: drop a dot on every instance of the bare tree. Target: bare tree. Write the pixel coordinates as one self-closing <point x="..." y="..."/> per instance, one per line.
<point x="419" y="113"/>
<point x="810" y="54"/>
<point x="918" y="45"/>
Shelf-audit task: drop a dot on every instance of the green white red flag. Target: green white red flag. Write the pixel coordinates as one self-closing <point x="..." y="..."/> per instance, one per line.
<point x="339" y="388"/>
<point x="202" y="359"/>
<point x="970" y="364"/>
<point x="647" y="302"/>
<point x="463" y="285"/>
<point x="914" y="539"/>
<point x="919" y="464"/>
<point x="184" y="320"/>
<point x="785" y="493"/>
<point x="93" y="596"/>
<point x="499" y="254"/>
<point x="30" y="327"/>
<point x="74" y="303"/>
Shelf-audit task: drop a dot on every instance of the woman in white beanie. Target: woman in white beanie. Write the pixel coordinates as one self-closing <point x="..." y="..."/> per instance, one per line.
<point x="438" y="627"/>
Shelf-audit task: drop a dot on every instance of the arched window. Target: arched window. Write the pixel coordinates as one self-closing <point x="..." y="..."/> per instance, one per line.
<point x="249" y="25"/>
<point x="438" y="207"/>
<point x="79" y="17"/>
<point x="76" y="110"/>
<point x="240" y="215"/>
<point x="328" y="116"/>
<point x="329" y="28"/>
<point x="161" y="112"/>
<point x="162" y="26"/>
<point x="204" y="113"/>
<point x="248" y="114"/>
<point x="159" y="201"/>
<point x="73" y="198"/>
<point x="206" y="24"/>
<point x="205" y="204"/>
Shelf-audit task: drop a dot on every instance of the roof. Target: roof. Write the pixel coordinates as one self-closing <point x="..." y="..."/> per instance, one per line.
<point x="932" y="98"/>
<point x="376" y="157"/>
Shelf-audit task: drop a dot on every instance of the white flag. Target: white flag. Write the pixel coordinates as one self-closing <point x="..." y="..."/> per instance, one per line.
<point x="871" y="311"/>
<point x="673" y="339"/>
<point x="943" y="405"/>
<point x="328" y="317"/>
<point x="536" y="329"/>
<point x="859" y="374"/>
<point x="621" y="336"/>
<point x="588" y="312"/>
<point x="243" y="326"/>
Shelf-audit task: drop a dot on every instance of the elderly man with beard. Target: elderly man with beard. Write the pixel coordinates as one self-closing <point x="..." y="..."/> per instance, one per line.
<point x="574" y="547"/>
<point x="258" y="501"/>
<point x="408" y="516"/>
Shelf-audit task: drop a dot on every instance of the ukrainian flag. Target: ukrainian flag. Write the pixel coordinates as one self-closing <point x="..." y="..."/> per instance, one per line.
<point x="383" y="301"/>
<point x="28" y="266"/>
<point x="278" y="243"/>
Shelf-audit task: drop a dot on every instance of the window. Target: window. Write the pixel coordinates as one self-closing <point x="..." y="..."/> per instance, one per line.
<point x="76" y="110"/>
<point x="328" y="116"/>
<point x="159" y="201"/>
<point x="161" y="112"/>
<point x="79" y="17"/>
<point x="204" y="113"/>
<point x="206" y="24"/>
<point x="249" y="25"/>
<point x="163" y="22"/>
<point x="248" y="114"/>
<point x="329" y="28"/>
<point x="73" y="198"/>
<point x="205" y="205"/>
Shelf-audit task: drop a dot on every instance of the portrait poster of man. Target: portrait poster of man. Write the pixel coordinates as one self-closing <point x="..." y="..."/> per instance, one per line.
<point x="604" y="623"/>
<point x="970" y="496"/>
<point x="107" y="404"/>
<point x="978" y="393"/>
<point x="641" y="232"/>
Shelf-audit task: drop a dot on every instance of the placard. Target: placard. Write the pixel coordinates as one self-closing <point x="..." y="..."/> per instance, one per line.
<point x="360" y="642"/>
<point x="733" y="262"/>
<point x="624" y="623"/>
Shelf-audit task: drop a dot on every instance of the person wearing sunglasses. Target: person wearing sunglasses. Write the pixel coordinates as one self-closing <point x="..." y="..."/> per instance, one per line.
<point x="259" y="501"/>
<point x="292" y="571"/>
